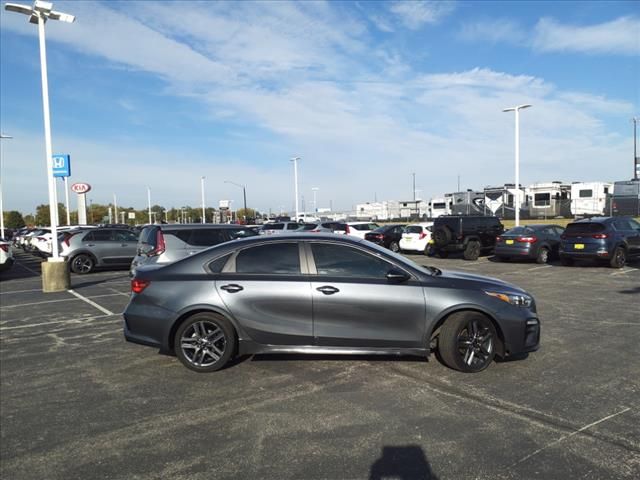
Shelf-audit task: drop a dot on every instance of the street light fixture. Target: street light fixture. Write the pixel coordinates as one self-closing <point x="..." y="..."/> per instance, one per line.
<point x="244" y="193"/>
<point x="315" y="198"/>
<point x="202" y="194"/>
<point x="295" y="180"/>
<point x="2" y="137"/>
<point x="39" y="14"/>
<point x="517" y="204"/>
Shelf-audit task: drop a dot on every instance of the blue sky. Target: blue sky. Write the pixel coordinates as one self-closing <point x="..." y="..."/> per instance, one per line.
<point x="161" y="93"/>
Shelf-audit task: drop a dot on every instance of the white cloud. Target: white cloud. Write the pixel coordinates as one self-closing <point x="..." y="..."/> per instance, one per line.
<point x="493" y="31"/>
<point x="417" y="13"/>
<point x="620" y="36"/>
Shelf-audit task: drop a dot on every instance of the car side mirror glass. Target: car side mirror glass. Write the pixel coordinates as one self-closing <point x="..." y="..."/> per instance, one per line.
<point x="396" y="275"/>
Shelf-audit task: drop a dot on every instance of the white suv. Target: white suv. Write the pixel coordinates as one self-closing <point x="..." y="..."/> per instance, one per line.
<point x="6" y="255"/>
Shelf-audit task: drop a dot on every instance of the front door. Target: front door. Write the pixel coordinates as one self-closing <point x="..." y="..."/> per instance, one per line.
<point x="355" y="305"/>
<point x="264" y="289"/>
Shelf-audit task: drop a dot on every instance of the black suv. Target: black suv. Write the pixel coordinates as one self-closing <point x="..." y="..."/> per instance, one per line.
<point x="614" y="239"/>
<point x="469" y="234"/>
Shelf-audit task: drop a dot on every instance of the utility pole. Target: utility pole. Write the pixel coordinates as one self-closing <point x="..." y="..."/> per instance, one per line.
<point x="295" y="179"/>
<point x="636" y="164"/>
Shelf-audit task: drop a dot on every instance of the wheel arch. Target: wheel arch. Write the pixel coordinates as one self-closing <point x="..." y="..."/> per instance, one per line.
<point x="84" y="252"/>
<point x="440" y="320"/>
<point x="183" y="316"/>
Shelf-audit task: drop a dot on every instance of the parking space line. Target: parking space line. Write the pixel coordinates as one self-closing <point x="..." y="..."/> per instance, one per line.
<point x="118" y="293"/>
<point x="39" y="303"/>
<point x="538" y="268"/>
<point x="73" y="320"/>
<point x="21" y="291"/>
<point x="569" y="435"/>
<point x="622" y="272"/>
<point x="90" y="302"/>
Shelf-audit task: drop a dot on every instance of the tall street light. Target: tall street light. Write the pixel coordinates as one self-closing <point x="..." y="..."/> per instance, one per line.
<point x="2" y="137"/>
<point x="244" y="193"/>
<point x="149" y="202"/>
<point x="315" y="198"/>
<point x="202" y="194"/>
<point x="40" y="13"/>
<point x="517" y="110"/>
<point x="295" y="180"/>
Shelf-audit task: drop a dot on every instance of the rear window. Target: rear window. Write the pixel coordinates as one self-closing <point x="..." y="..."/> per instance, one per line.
<point x="520" y="231"/>
<point x="584" y="228"/>
<point x="585" y="193"/>
<point x="293" y="226"/>
<point x="148" y="236"/>
<point x="413" y="229"/>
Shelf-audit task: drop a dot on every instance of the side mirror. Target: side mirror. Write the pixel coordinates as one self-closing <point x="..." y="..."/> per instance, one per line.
<point x="396" y="275"/>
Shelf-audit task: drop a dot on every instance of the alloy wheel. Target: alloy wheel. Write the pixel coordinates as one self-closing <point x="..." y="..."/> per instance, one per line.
<point x="82" y="264"/>
<point x="203" y="343"/>
<point x="475" y="344"/>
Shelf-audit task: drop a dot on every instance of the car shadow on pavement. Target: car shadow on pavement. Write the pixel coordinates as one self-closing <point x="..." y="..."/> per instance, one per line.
<point x="77" y="283"/>
<point x="404" y="463"/>
<point x="631" y="291"/>
<point x="278" y="357"/>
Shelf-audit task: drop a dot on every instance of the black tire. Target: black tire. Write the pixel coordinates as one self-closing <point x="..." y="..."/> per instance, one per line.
<point x="82" y="264"/>
<point x="442" y="236"/>
<point x="500" y="258"/>
<point x="467" y="342"/>
<point x="205" y="342"/>
<point x="543" y="255"/>
<point x="618" y="258"/>
<point x="566" y="261"/>
<point x="443" y="254"/>
<point x="394" y="247"/>
<point x="472" y="252"/>
<point x="429" y="250"/>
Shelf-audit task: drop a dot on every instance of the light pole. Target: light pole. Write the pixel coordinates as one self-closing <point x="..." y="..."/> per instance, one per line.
<point x="636" y="163"/>
<point x="115" y="208"/>
<point x="295" y="180"/>
<point x="315" y="199"/>
<point x="244" y="194"/>
<point x="517" y="204"/>
<point x="202" y="192"/>
<point x="40" y="13"/>
<point x="149" y="202"/>
<point x="2" y="137"/>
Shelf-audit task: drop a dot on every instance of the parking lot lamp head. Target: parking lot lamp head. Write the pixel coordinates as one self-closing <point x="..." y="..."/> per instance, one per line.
<point x="516" y="206"/>
<point x="38" y="14"/>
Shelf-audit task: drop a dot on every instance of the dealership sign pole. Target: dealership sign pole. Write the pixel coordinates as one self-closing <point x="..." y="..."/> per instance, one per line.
<point x="81" y="189"/>
<point x="62" y="168"/>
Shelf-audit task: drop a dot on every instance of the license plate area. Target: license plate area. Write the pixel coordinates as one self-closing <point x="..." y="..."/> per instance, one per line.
<point x="509" y="242"/>
<point x="578" y="246"/>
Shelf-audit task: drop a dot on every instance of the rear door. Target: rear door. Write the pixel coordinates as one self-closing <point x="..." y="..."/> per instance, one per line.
<point x="354" y="305"/>
<point x="265" y="290"/>
<point x="125" y="245"/>
<point x="102" y="245"/>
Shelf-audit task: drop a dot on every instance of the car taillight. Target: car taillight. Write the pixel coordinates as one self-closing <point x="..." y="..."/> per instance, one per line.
<point x="160" y="245"/>
<point x="5" y="248"/>
<point x="67" y="237"/>
<point x="600" y="236"/>
<point x="137" y="285"/>
<point x="498" y="239"/>
<point x="422" y="236"/>
<point x="347" y="230"/>
<point x="527" y="239"/>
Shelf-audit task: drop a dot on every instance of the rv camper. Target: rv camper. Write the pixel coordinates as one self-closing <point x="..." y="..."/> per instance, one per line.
<point x="467" y="203"/>
<point x="626" y="198"/>
<point x="590" y="198"/>
<point x="500" y="201"/>
<point x="440" y="206"/>
<point x="549" y="200"/>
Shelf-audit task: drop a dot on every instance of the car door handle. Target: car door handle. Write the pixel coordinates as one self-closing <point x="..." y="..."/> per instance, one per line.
<point x="91" y="244"/>
<point x="328" y="290"/>
<point x="124" y="244"/>
<point x="232" y="288"/>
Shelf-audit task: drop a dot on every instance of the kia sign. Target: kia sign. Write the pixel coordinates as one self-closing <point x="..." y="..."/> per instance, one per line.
<point x="80" y="187"/>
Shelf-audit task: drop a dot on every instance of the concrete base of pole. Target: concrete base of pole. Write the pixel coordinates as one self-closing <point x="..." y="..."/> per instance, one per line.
<point x="55" y="276"/>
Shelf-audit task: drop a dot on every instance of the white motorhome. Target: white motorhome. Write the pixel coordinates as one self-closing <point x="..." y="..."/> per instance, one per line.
<point x="440" y="206"/>
<point x="590" y="198"/>
<point x="549" y="200"/>
<point x="500" y="201"/>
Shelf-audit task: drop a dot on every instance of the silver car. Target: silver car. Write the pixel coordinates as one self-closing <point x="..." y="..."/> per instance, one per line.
<point x="87" y="249"/>
<point x="164" y="244"/>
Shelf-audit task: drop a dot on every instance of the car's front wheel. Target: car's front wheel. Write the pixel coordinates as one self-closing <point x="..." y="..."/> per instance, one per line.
<point x="467" y="342"/>
<point x="543" y="255"/>
<point x="394" y="247"/>
<point x="619" y="258"/>
<point x="205" y="342"/>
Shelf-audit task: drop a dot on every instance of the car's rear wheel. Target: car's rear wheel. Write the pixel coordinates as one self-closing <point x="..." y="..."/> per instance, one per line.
<point x="619" y="258"/>
<point x="472" y="252"/>
<point x="83" y="263"/>
<point x="467" y="342"/>
<point x="394" y="247"/>
<point x="543" y="255"/>
<point x="205" y="342"/>
<point x="566" y="261"/>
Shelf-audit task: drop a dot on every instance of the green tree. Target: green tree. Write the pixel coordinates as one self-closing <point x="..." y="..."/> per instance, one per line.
<point x="13" y="219"/>
<point x="248" y="215"/>
<point x="42" y="214"/>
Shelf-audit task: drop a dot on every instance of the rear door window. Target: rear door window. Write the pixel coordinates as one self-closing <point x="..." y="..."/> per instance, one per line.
<point x="206" y="237"/>
<point x="125" y="236"/>
<point x="577" y="228"/>
<point x="275" y="226"/>
<point x="98" y="236"/>
<point x="275" y="259"/>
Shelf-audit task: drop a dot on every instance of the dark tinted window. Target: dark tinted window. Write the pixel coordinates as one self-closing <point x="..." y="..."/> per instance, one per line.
<point x="218" y="264"/>
<point x="622" y="225"/>
<point x="413" y="229"/>
<point x="276" y="258"/>
<point x="309" y="226"/>
<point x="585" y="193"/>
<point x="575" y="228"/>
<point x="439" y="206"/>
<point x="241" y="233"/>
<point x="362" y="226"/>
<point x="635" y="225"/>
<point x="274" y="226"/>
<point x="206" y="237"/>
<point x="148" y="235"/>
<point x="124" y="236"/>
<point x="542" y="199"/>
<point x="519" y="231"/>
<point x="559" y="230"/>
<point x="342" y="261"/>
<point x="293" y="226"/>
<point x="98" y="236"/>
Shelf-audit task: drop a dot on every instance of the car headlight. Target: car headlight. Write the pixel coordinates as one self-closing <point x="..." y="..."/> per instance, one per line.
<point x="519" y="300"/>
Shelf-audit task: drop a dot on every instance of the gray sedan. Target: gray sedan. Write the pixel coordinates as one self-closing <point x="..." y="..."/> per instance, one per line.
<point x="316" y="293"/>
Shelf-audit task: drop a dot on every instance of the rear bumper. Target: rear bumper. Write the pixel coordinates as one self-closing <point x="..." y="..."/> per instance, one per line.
<point x="147" y="324"/>
<point x="507" y="251"/>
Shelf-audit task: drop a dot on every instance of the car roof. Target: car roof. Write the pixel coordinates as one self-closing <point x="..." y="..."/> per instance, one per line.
<point x="596" y="219"/>
<point x="196" y="226"/>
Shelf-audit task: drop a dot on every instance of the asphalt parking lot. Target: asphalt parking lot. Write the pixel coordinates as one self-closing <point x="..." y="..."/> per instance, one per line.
<point x="77" y="401"/>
